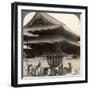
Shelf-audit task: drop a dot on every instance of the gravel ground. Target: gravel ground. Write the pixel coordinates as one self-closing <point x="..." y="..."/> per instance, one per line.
<point x="34" y="61"/>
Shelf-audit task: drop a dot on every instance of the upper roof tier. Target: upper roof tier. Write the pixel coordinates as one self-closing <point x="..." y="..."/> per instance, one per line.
<point x="42" y="24"/>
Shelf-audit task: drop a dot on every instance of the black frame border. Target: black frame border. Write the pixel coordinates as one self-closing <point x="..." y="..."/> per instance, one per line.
<point x="14" y="43"/>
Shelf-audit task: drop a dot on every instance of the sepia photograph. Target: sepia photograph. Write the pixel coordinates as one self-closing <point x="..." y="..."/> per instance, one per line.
<point x="49" y="44"/>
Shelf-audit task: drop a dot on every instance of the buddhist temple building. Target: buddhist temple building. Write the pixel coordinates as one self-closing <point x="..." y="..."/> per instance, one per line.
<point x="44" y="35"/>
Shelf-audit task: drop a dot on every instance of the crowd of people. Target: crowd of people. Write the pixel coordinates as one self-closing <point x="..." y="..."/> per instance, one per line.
<point x="38" y="70"/>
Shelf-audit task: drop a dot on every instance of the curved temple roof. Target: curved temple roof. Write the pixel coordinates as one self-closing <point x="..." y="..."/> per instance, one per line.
<point x="42" y="22"/>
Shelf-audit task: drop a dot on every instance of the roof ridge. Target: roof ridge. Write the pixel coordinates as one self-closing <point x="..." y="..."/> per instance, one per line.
<point x="58" y="22"/>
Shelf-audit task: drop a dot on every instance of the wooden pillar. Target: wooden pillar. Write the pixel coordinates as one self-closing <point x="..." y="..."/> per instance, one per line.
<point x="27" y="48"/>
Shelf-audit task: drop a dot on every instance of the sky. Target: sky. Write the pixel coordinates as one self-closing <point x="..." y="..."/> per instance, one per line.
<point x="70" y="20"/>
